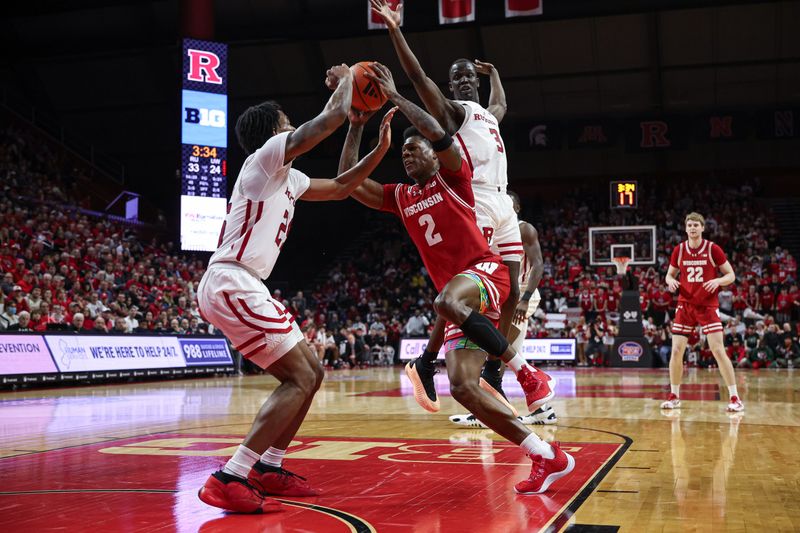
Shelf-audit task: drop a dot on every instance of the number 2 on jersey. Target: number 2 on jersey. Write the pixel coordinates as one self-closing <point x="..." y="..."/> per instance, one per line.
<point x="430" y="226"/>
<point x="694" y="274"/>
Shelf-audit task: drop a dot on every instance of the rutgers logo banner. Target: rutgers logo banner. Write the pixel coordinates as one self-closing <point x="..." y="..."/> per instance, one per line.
<point x="523" y="8"/>
<point x="452" y="11"/>
<point x="375" y="22"/>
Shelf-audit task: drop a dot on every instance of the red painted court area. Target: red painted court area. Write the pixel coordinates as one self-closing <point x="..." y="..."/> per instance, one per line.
<point x="150" y="484"/>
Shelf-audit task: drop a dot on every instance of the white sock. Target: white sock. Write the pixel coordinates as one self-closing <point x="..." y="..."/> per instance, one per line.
<point x="241" y="462"/>
<point x="676" y="389"/>
<point x="533" y="445"/>
<point x="518" y="363"/>
<point x="273" y="457"/>
<point x="732" y="390"/>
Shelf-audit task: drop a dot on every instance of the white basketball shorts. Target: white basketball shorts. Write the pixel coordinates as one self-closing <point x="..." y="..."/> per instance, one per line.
<point x="522" y="327"/>
<point x="239" y="305"/>
<point x="498" y="222"/>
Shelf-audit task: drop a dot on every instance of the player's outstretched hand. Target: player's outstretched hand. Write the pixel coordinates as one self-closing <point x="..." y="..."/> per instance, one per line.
<point x="385" y="135"/>
<point x="673" y="285"/>
<point x="391" y="17"/>
<point x="483" y="67"/>
<point x="519" y="314"/>
<point x="711" y="285"/>
<point x="336" y="73"/>
<point x="383" y="77"/>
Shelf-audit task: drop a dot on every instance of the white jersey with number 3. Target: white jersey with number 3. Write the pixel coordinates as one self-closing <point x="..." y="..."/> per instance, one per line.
<point x="261" y="209"/>
<point x="480" y="143"/>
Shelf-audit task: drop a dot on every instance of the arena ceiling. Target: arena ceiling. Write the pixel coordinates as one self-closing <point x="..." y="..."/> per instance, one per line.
<point x="110" y="70"/>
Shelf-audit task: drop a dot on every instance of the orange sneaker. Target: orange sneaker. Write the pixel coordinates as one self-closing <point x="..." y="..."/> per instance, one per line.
<point x="421" y="377"/>
<point x="235" y="494"/>
<point x="544" y="472"/>
<point x="273" y="481"/>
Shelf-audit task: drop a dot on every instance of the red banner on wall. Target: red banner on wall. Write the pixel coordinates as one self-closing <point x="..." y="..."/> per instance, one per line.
<point x="523" y="8"/>
<point x="452" y="11"/>
<point x="375" y="21"/>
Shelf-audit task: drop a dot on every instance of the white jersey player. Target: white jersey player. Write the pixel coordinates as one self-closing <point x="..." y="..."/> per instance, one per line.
<point x="233" y="297"/>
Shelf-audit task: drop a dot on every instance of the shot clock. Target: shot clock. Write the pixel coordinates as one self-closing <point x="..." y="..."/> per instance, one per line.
<point x="624" y="194"/>
<point x="204" y="138"/>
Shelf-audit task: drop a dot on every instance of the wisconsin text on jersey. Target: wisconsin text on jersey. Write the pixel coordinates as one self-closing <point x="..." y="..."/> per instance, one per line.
<point x="423" y="204"/>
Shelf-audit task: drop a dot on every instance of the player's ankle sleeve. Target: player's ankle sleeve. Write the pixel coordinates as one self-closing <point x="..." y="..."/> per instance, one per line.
<point x="482" y="332"/>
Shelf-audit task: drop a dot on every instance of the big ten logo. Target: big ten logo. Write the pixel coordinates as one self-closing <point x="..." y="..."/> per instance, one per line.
<point x="203" y="66"/>
<point x="214" y="118"/>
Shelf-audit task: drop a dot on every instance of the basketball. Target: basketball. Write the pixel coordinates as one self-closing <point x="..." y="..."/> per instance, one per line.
<point x="367" y="96"/>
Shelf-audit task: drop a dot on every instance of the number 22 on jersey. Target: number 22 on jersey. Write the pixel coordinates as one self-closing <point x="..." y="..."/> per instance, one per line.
<point x="694" y="274"/>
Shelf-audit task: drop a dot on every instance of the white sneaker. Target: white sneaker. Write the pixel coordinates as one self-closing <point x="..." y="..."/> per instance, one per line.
<point x="468" y="420"/>
<point x="673" y="402"/>
<point x="543" y="415"/>
<point x="735" y="405"/>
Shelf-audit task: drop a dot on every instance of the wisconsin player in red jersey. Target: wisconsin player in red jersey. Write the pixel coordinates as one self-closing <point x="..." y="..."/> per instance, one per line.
<point x="477" y="130"/>
<point x="232" y="296"/>
<point x="438" y="213"/>
<point x="697" y="261"/>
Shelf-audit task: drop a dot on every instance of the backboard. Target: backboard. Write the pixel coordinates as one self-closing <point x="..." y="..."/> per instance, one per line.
<point x="636" y="242"/>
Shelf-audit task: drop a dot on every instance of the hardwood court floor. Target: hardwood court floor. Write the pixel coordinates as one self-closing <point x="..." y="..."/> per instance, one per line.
<point x="131" y="457"/>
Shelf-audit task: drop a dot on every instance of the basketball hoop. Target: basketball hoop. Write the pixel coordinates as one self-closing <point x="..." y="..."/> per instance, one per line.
<point x="621" y="263"/>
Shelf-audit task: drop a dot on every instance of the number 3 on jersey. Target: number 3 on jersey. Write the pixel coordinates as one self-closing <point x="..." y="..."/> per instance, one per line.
<point x="430" y="227"/>
<point x="694" y="274"/>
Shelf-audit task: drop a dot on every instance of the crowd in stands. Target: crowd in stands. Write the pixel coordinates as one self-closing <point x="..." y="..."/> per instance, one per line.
<point x="64" y="270"/>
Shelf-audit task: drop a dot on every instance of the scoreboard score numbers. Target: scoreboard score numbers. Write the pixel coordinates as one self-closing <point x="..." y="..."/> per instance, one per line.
<point x="624" y="194"/>
<point x="204" y="139"/>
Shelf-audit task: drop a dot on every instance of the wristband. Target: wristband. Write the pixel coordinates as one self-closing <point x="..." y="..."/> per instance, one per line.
<point x="526" y="296"/>
<point x="442" y="144"/>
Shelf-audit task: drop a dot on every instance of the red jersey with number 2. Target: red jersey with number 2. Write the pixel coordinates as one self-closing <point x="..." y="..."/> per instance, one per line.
<point x="440" y="219"/>
<point x="697" y="266"/>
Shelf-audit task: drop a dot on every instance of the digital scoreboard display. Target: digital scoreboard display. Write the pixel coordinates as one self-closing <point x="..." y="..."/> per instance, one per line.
<point x="204" y="139"/>
<point x="624" y="194"/>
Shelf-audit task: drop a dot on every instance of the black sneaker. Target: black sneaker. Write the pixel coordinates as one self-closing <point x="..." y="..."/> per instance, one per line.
<point x="492" y="382"/>
<point x="421" y="376"/>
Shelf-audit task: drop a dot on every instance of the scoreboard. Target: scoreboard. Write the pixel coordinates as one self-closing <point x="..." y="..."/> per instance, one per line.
<point x="204" y="143"/>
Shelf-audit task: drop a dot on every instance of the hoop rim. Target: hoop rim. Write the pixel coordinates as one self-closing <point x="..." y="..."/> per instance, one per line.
<point x="622" y="259"/>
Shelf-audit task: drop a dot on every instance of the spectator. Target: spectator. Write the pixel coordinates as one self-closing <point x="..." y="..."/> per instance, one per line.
<point x="23" y="322"/>
<point x="100" y="325"/>
<point x="131" y="323"/>
<point x="417" y="325"/>
<point x="120" y="327"/>
<point x="788" y="354"/>
<point x="9" y="315"/>
<point x="78" y="320"/>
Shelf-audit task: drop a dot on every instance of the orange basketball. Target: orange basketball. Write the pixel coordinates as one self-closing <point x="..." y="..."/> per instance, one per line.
<point x="367" y="95"/>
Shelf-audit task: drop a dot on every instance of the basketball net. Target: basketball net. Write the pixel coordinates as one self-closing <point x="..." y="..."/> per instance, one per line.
<point x="621" y="263"/>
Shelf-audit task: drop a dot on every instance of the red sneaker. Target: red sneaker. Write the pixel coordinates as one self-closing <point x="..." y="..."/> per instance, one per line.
<point x="673" y="402"/>
<point x="233" y="493"/>
<point x="544" y="472"/>
<point x="279" y="482"/>
<point x="536" y="386"/>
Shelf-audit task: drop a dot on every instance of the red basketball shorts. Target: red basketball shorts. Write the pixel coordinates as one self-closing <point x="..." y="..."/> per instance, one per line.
<point x="494" y="285"/>
<point x="690" y="316"/>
